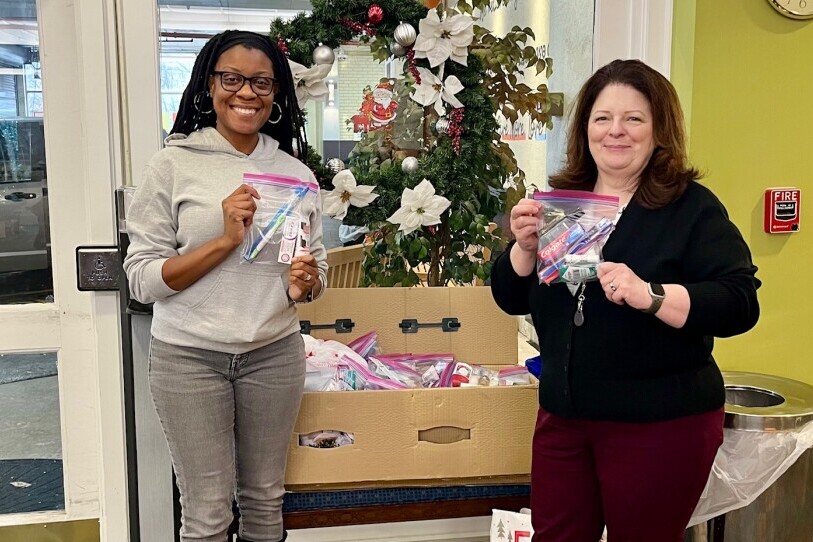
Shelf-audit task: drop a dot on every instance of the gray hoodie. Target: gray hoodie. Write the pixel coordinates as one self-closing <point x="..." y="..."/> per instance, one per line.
<point x="236" y="307"/>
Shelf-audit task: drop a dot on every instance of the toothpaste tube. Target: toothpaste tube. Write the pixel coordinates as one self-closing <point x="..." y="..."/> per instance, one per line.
<point x="581" y="259"/>
<point x="550" y="273"/>
<point x="556" y="241"/>
<point x="580" y="273"/>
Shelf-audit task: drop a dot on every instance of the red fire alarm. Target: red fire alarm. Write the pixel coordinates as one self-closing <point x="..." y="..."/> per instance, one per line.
<point x="782" y="206"/>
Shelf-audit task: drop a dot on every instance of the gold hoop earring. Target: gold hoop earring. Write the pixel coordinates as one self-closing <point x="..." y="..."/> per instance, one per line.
<point x="196" y="102"/>
<point x="279" y="107"/>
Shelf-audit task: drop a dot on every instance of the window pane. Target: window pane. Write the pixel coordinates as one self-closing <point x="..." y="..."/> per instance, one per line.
<point x="33" y="76"/>
<point x="176" y="69"/>
<point x="25" y="241"/>
<point x="34" y="103"/>
<point x="30" y="436"/>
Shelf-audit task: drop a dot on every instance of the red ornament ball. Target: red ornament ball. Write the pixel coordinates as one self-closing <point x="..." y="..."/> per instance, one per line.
<point x="375" y="14"/>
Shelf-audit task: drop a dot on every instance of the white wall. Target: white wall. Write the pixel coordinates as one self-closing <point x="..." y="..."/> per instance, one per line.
<point x="571" y="47"/>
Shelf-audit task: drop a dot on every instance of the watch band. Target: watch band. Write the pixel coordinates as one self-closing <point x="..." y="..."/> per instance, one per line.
<point x="657" y="293"/>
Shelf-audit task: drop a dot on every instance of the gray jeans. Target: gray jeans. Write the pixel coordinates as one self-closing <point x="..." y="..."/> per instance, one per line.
<point x="228" y="419"/>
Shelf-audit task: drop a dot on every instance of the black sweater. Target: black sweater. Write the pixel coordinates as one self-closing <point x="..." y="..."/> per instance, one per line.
<point x="623" y="364"/>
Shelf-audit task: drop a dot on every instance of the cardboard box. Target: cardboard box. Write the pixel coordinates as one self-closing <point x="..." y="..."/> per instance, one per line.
<point x="421" y="434"/>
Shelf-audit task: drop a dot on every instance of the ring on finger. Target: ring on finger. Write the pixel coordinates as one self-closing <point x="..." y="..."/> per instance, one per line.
<point x="308" y="277"/>
<point x="613" y="287"/>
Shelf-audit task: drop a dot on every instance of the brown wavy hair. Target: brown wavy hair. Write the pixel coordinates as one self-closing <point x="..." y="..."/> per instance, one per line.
<point x="668" y="171"/>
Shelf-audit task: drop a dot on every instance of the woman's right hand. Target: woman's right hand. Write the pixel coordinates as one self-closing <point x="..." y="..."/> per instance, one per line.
<point x="238" y="213"/>
<point x="525" y="224"/>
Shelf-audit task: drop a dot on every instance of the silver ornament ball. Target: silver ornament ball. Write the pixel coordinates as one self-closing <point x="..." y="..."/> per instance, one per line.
<point x="409" y="165"/>
<point x="405" y="34"/>
<point x="442" y="125"/>
<point x="397" y="49"/>
<point x="323" y="55"/>
<point x="335" y="165"/>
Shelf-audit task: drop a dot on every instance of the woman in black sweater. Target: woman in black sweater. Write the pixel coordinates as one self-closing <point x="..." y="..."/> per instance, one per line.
<point x="631" y="400"/>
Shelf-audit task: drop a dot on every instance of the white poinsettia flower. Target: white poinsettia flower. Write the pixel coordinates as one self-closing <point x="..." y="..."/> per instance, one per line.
<point x="433" y="91"/>
<point x="419" y="207"/>
<point x="439" y="40"/>
<point x="346" y="193"/>
<point x="309" y="82"/>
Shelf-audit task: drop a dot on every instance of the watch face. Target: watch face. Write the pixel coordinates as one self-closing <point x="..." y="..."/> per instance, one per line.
<point x="795" y="9"/>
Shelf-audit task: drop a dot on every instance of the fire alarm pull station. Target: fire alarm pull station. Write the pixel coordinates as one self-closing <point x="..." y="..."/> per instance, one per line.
<point x="782" y="210"/>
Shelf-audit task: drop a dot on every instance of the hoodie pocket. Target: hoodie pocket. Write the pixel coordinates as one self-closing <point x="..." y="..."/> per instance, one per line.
<point x="242" y="307"/>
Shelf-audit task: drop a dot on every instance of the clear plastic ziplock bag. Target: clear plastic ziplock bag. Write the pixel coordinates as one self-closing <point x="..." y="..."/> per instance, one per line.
<point x="574" y="226"/>
<point x="366" y="345"/>
<point x="281" y="226"/>
<point x="368" y="380"/>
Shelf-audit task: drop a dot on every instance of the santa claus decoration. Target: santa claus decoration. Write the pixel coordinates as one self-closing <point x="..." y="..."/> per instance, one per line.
<point x="382" y="110"/>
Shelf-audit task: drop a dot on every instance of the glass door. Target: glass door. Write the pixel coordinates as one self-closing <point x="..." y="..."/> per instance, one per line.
<point x="61" y="454"/>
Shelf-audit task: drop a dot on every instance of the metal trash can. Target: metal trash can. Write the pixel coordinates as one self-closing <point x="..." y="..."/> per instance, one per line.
<point x="761" y="403"/>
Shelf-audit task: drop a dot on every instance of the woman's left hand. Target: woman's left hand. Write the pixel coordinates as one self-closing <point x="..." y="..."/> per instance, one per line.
<point x="622" y="286"/>
<point x="303" y="277"/>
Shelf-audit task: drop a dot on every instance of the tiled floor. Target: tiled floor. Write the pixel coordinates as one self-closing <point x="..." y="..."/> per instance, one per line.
<point x="457" y="530"/>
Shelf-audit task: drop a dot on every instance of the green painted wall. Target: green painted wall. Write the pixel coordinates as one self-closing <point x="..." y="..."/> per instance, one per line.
<point x="683" y="17"/>
<point x="745" y="77"/>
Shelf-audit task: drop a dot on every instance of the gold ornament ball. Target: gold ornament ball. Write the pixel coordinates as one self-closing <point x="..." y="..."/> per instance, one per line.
<point x="405" y="34"/>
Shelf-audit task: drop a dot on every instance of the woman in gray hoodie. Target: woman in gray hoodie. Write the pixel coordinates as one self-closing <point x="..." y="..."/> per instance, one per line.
<point x="227" y="362"/>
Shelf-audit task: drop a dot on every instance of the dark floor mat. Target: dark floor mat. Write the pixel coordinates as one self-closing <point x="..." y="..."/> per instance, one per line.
<point x="45" y="493"/>
<point x="19" y="367"/>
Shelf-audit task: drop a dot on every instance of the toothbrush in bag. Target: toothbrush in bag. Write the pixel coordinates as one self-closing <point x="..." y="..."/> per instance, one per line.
<point x="274" y="224"/>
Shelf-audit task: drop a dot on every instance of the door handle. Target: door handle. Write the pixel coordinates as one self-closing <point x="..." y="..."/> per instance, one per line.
<point x="19" y="196"/>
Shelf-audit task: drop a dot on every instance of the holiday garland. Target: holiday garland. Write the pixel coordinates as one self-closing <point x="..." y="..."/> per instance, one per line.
<point x="462" y="166"/>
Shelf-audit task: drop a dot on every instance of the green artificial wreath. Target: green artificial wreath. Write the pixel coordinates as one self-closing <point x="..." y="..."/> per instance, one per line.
<point x="472" y="172"/>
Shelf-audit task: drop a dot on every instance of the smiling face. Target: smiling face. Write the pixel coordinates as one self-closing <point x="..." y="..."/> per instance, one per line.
<point x="241" y="114"/>
<point x="620" y="133"/>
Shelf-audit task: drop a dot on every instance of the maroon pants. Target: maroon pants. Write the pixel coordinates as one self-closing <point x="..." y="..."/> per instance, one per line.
<point x="642" y="480"/>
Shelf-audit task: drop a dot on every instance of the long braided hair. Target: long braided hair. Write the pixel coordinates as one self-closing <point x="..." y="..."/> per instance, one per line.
<point x="197" y="111"/>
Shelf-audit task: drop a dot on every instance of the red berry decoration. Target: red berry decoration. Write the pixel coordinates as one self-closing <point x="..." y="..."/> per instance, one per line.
<point x="456" y="128"/>
<point x="413" y="69"/>
<point x="358" y="28"/>
<point x="282" y="45"/>
<point x="375" y="14"/>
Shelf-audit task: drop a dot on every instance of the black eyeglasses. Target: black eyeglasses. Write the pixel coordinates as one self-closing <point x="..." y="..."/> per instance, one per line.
<point x="233" y="82"/>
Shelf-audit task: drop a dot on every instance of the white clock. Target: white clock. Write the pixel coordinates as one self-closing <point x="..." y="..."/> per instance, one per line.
<point x="795" y="9"/>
